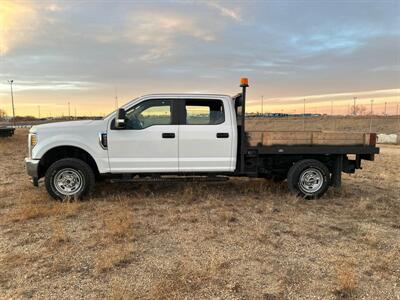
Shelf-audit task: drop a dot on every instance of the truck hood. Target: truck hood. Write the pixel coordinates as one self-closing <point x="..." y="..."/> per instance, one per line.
<point x="68" y="125"/>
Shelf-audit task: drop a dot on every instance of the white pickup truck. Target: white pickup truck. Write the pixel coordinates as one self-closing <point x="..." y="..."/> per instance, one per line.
<point x="179" y="137"/>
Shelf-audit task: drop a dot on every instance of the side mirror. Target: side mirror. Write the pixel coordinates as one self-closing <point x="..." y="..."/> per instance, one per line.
<point x="120" y="118"/>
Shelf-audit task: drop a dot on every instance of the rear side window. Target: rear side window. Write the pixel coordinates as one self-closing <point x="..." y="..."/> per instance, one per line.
<point x="204" y="112"/>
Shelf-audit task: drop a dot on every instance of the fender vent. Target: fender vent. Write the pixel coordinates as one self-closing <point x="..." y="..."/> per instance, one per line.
<point x="103" y="140"/>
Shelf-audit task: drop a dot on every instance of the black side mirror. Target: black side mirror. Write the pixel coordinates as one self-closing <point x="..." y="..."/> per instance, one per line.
<point x="120" y="118"/>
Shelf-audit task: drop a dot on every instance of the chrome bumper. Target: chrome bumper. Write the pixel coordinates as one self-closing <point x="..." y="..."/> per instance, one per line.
<point x="32" y="167"/>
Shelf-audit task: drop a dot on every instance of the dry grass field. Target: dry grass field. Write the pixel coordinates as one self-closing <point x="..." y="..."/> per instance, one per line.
<point x="379" y="124"/>
<point x="241" y="239"/>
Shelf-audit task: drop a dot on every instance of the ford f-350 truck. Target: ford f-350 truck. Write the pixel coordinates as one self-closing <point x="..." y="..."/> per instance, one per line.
<point x="196" y="137"/>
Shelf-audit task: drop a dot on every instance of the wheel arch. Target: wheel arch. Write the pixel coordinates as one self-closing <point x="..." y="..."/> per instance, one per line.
<point x="59" y="152"/>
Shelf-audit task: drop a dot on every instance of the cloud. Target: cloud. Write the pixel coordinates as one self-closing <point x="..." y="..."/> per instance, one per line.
<point x="54" y="7"/>
<point x="160" y="32"/>
<point x="224" y="11"/>
<point x="18" y="22"/>
<point x="21" y="21"/>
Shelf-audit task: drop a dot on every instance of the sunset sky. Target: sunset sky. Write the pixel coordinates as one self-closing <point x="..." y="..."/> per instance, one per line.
<point x="83" y="52"/>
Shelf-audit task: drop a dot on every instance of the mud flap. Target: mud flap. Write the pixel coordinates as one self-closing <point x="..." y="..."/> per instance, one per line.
<point x="336" y="178"/>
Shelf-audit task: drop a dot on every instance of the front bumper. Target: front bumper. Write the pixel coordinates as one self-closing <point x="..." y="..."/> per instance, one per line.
<point x="32" y="168"/>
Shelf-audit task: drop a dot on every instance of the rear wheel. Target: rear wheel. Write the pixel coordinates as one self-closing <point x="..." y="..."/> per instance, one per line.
<point x="69" y="178"/>
<point x="308" y="178"/>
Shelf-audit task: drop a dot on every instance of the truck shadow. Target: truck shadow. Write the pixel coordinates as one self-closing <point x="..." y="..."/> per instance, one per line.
<point x="191" y="191"/>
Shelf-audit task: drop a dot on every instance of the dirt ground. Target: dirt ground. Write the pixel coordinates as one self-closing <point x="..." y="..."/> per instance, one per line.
<point x="241" y="239"/>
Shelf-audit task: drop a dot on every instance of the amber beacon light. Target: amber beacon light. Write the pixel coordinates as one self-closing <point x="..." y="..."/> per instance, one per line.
<point x="244" y="82"/>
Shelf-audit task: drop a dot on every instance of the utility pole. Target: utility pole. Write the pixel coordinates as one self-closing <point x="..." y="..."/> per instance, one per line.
<point x="334" y="120"/>
<point x="116" y="98"/>
<point x="262" y="105"/>
<point x="75" y="112"/>
<point x="38" y="111"/>
<point x="354" y="107"/>
<point x="304" y="114"/>
<point x="372" y="111"/>
<point x="372" y="102"/>
<point x="385" y="108"/>
<point x="69" y="110"/>
<point x="12" y="100"/>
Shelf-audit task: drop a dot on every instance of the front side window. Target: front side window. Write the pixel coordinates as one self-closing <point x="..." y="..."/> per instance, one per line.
<point x="149" y="113"/>
<point x="204" y="112"/>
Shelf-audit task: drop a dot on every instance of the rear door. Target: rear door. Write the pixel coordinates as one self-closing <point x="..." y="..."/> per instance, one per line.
<point x="205" y="136"/>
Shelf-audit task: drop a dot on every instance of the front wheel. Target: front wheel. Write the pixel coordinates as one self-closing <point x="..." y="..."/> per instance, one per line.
<point x="308" y="178"/>
<point x="69" y="178"/>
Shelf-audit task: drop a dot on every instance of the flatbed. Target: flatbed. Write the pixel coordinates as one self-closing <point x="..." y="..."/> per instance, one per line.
<point x="6" y="131"/>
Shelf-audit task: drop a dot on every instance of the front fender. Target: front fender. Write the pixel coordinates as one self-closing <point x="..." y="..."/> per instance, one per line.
<point x="90" y="144"/>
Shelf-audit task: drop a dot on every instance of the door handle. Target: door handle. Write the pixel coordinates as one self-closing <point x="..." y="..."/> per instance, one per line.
<point x="222" y="135"/>
<point x="168" y="135"/>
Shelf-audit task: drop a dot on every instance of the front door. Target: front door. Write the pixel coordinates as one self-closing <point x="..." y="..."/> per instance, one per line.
<point x="205" y="137"/>
<point x="149" y="143"/>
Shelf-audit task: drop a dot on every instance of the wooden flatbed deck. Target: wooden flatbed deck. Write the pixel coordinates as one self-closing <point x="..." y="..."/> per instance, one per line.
<point x="309" y="138"/>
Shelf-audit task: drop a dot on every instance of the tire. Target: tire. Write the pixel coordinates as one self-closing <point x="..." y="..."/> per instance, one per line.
<point x="69" y="178"/>
<point x="308" y="178"/>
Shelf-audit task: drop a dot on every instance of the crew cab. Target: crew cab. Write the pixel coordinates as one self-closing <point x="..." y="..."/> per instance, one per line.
<point x="179" y="137"/>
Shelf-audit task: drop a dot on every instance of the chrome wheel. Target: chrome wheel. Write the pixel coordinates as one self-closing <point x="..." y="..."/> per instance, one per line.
<point x="311" y="180"/>
<point x="68" y="181"/>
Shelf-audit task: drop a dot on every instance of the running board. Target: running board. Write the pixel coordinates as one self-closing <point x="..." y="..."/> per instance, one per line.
<point x="171" y="179"/>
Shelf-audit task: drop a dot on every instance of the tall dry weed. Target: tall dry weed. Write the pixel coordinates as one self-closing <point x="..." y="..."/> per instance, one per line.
<point x="346" y="281"/>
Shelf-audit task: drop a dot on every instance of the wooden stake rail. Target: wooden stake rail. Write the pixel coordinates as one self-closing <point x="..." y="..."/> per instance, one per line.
<point x="270" y="138"/>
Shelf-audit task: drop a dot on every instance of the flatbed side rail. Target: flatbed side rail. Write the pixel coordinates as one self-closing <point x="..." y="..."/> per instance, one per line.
<point x="315" y="149"/>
